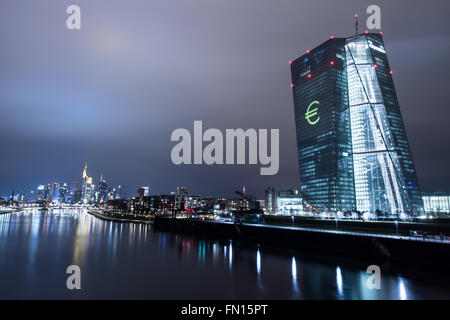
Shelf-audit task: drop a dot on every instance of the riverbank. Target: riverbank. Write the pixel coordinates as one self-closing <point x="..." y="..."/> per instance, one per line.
<point x="120" y="217"/>
<point x="359" y="245"/>
<point x="435" y="228"/>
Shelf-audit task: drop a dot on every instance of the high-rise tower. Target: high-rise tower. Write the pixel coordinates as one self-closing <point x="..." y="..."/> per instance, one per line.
<point x="86" y="186"/>
<point x="352" y="147"/>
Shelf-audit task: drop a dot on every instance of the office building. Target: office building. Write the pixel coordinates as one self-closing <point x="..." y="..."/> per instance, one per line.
<point x="436" y="203"/>
<point x="353" y="151"/>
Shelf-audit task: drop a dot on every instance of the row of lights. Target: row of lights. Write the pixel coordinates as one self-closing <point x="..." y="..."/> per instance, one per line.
<point x="332" y="64"/>
<point x="365" y="32"/>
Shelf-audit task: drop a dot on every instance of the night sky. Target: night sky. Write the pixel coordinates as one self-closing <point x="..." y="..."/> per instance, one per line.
<point x="112" y="93"/>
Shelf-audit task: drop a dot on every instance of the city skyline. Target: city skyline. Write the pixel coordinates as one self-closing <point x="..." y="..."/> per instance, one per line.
<point x="104" y="96"/>
<point x="50" y="190"/>
<point x="226" y="156"/>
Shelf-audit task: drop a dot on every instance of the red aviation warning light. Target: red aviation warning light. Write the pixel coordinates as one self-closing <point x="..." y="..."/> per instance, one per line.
<point x="309" y="75"/>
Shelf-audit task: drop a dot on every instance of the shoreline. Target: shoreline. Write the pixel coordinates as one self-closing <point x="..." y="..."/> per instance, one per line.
<point x="400" y="250"/>
<point x="114" y="217"/>
<point x="397" y="249"/>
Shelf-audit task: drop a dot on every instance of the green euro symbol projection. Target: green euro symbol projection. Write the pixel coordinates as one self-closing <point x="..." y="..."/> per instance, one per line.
<point x="311" y="114"/>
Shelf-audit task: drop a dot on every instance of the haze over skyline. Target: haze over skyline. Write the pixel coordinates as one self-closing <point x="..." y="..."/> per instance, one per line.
<point x="112" y="93"/>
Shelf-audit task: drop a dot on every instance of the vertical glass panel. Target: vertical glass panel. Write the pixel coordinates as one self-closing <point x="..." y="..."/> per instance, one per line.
<point x="378" y="180"/>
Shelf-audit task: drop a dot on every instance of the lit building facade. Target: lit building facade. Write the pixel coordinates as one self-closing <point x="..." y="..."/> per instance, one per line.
<point x="102" y="192"/>
<point x="270" y="205"/>
<point x="436" y="204"/>
<point x="40" y="192"/>
<point x="352" y="147"/>
<point x="63" y="193"/>
<point x="55" y="192"/>
<point x="143" y="192"/>
<point x="87" y="187"/>
<point x="181" y="196"/>
<point x="286" y="202"/>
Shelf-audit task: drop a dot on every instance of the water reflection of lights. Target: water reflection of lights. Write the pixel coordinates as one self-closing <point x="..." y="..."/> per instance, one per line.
<point x="215" y="251"/>
<point x="294" y="274"/>
<point x="339" y="281"/>
<point x="294" y="268"/>
<point x="201" y="251"/>
<point x="230" y="255"/>
<point x="402" y="289"/>
<point x="258" y="262"/>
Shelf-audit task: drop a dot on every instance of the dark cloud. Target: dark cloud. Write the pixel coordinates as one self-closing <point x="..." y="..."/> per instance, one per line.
<point x="112" y="93"/>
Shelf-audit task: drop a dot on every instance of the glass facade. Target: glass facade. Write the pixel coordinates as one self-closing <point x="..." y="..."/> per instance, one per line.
<point x="436" y="204"/>
<point x="322" y="120"/>
<point x="352" y="145"/>
<point x="290" y="205"/>
<point x="286" y="202"/>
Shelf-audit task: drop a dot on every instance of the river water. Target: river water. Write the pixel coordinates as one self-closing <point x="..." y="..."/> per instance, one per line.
<point x="134" y="261"/>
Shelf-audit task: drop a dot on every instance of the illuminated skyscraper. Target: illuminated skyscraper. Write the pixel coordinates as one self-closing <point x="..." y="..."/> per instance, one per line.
<point x="55" y="192"/>
<point x="87" y="186"/>
<point x="102" y="192"/>
<point x="143" y="192"/>
<point x="63" y="192"/>
<point x="40" y="192"/>
<point x="352" y="146"/>
<point x="48" y="193"/>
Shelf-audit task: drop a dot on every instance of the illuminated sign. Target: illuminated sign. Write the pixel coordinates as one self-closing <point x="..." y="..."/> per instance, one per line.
<point x="311" y="115"/>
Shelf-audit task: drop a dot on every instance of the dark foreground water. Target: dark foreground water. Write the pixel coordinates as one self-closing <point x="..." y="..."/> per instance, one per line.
<point x="125" y="260"/>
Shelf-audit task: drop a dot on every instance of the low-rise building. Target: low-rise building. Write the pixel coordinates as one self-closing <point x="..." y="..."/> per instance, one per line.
<point x="436" y="203"/>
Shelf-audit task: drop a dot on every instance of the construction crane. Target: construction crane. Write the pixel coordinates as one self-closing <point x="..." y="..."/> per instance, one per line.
<point x="311" y="207"/>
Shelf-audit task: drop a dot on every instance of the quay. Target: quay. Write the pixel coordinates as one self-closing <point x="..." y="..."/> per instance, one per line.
<point x="372" y="246"/>
<point x="120" y="217"/>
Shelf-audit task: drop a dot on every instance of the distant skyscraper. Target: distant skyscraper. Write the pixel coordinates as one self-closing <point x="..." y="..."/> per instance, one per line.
<point x="55" y="192"/>
<point x="48" y="193"/>
<point x="87" y="186"/>
<point x="22" y="197"/>
<point x="63" y="193"/>
<point x="143" y="192"/>
<point x="40" y="192"/>
<point x="118" y="192"/>
<point x="75" y="192"/>
<point x="102" y="190"/>
<point x="352" y="146"/>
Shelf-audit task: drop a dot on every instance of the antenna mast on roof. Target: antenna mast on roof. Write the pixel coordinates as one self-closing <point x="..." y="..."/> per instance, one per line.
<point x="356" y="23"/>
